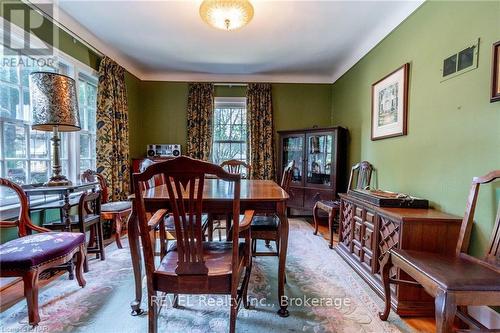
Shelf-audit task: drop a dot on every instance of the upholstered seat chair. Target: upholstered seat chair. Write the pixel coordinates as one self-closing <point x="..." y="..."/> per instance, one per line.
<point x="115" y="211"/>
<point x="31" y="254"/>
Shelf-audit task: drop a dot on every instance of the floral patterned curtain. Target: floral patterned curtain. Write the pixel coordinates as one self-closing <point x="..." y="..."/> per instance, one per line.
<point x="200" y="111"/>
<point x="112" y="129"/>
<point x="260" y="130"/>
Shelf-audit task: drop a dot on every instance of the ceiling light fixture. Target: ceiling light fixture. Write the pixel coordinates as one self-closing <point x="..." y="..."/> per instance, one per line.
<point x="226" y="14"/>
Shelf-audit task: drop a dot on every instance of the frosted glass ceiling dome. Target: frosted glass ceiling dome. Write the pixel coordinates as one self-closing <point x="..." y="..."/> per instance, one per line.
<point x="226" y="14"/>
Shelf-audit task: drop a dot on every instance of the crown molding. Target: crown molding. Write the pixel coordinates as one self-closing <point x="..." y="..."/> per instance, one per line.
<point x="73" y="27"/>
<point x="235" y="78"/>
<point x="375" y="38"/>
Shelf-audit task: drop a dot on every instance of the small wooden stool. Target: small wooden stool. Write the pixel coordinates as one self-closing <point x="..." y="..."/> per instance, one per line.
<point x="331" y="208"/>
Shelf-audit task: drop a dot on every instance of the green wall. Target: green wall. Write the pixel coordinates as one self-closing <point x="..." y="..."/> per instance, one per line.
<point x="161" y="116"/>
<point x="453" y="129"/>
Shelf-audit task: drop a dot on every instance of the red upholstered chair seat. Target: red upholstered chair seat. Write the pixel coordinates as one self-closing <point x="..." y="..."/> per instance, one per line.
<point x="31" y="251"/>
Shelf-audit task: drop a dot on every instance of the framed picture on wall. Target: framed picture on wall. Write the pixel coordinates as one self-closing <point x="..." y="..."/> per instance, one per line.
<point x="390" y="104"/>
<point x="495" y="73"/>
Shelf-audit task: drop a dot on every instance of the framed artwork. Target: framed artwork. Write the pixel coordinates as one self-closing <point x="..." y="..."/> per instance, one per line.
<point x="495" y="73"/>
<point x="390" y="104"/>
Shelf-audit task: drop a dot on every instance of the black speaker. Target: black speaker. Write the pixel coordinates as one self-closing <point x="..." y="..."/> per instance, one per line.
<point x="151" y="152"/>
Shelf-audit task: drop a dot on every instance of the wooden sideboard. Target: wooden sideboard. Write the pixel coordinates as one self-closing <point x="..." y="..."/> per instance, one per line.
<point x="367" y="233"/>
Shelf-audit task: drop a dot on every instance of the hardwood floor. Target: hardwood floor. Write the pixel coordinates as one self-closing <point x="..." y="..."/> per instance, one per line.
<point x="421" y="324"/>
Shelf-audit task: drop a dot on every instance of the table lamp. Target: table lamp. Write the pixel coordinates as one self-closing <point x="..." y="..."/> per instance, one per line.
<point x="54" y="107"/>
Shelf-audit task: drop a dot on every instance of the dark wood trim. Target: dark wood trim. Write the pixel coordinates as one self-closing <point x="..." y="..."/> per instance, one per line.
<point x="312" y="129"/>
<point x="406" y="68"/>
<point x="495" y="80"/>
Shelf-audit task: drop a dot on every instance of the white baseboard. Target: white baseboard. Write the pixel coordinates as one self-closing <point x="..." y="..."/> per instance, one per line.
<point x="486" y="316"/>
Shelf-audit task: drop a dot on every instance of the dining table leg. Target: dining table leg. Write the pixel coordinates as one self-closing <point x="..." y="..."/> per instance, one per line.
<point x="133" y="239"/>
<point x="282" y="298"/>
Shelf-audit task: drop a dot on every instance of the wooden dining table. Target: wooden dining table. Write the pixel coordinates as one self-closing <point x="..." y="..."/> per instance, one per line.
<point x="262" y="196"/>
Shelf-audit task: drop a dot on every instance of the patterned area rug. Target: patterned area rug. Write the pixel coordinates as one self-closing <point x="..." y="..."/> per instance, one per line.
<point x="325" y="296"/>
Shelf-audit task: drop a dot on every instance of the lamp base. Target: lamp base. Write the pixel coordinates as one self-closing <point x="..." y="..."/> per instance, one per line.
<point x="58" y="180"/>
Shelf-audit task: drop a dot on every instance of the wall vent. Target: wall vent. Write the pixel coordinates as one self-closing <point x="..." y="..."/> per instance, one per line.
<point x="461" y="62"/>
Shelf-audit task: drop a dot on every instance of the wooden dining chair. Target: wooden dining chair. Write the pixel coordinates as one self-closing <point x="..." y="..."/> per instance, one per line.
<point x="214" y="222"/>
<point x="88" y="218"/>
<point x="361" y="174"/>
<point x="116" y="211"/>
<point x="193" y="265"/>
<point x="155" y="181"/>
<point x="31" y="254"/>
<point x="454" y="281"/>
<point x="266" y="227"/>
<point x="236" y="166"/>
<point x="158" y="180"/>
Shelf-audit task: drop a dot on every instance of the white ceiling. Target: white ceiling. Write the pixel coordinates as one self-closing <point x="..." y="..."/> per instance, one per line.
<point x="287" y="41"/>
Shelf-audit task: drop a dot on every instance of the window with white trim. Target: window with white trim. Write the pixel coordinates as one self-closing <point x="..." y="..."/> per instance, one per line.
<point x="25" y="154"/>
<point x="229" y="129"/>
<point x="87" y="100"/>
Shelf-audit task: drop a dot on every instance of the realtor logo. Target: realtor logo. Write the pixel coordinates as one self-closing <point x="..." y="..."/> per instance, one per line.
<point x="25" y="30"/>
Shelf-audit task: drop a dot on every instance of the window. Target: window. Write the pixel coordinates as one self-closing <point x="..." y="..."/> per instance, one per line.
<point x="25" y="154"/>
<point x="87" y="99"/>
<point x="230" y="129"/>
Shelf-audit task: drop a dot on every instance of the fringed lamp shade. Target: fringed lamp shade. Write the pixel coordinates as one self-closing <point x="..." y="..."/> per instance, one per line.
<point x="54" y="102"/>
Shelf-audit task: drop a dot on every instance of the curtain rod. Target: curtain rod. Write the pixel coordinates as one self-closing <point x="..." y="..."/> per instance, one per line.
<point x="64" y="28"/>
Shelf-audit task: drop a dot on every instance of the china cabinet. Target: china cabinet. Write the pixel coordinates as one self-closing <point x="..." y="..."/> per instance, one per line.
<point x="320" y="164"/>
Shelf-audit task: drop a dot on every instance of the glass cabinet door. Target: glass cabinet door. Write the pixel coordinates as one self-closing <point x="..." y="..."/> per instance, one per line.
<point x="319" y="156"/>
<point x="293" y="149"/>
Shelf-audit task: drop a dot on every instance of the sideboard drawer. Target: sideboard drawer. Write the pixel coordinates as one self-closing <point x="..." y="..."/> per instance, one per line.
<point x="356" y="250"/>
<point x="370" y="216"/>
<point x="358" y="227"/>
<point x="368" y="261"/>
<point x="368" y="237"/>
<point x="358" y="212"/>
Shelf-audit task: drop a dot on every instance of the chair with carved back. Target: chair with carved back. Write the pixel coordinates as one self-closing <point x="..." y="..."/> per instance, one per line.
<point x="31" y="254"/>
<point x="361" y="174"/>
<point x="454" y="281"/>
<point x="231" y="166"/>
<point x="193" y="265"/>
<point x="236" y="166"/>
<point x="115" y="211"/>
<point x="158" y="180"/>
<point x="88" y="218"/>
<point x="267" y="227"/>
